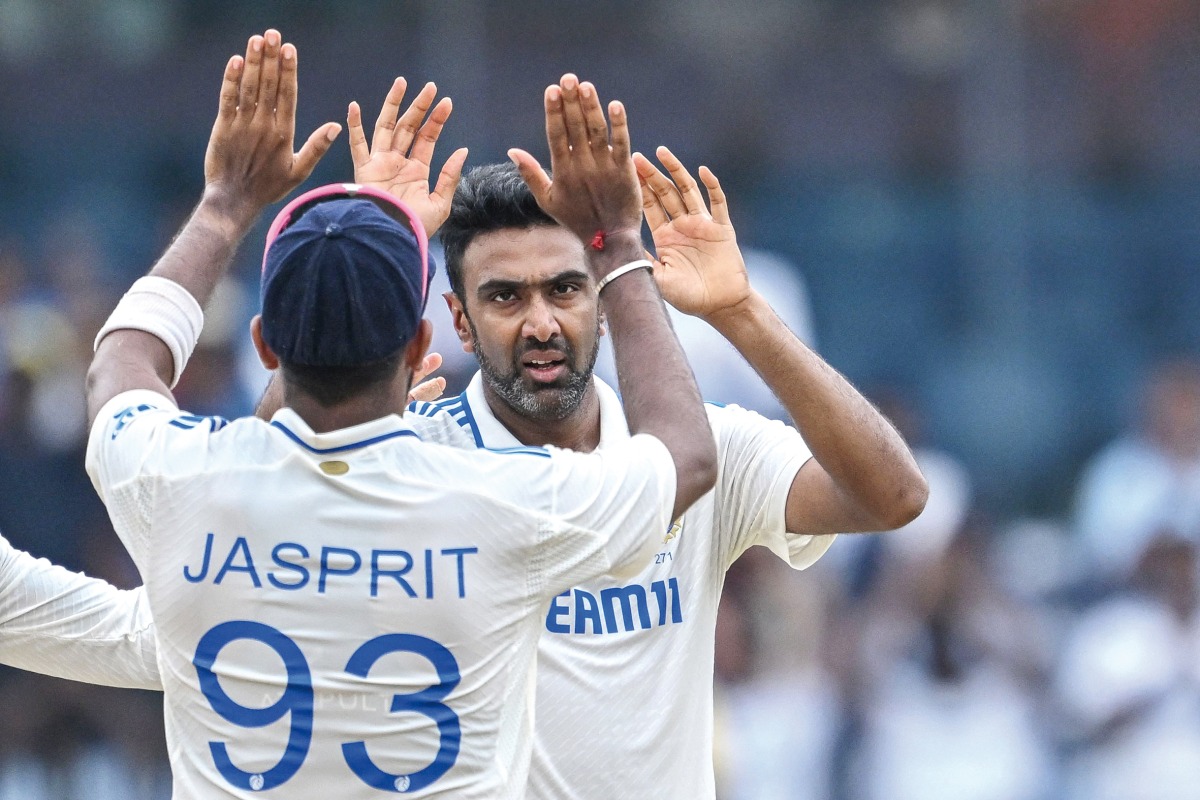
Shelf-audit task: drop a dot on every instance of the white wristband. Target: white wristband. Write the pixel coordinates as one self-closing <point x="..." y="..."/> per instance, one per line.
<point x="160" y="307"/>
<point x="619" y="271"/>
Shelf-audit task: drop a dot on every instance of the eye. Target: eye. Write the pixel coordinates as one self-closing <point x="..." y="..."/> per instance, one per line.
<point x="565" y="288"/>
<point x="503" y="296"/>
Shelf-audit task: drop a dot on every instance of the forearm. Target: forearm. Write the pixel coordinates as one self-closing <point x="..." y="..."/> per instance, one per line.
<point x="197" y="259"/>
<point x="65" y="624"/>
<point x="658" y="389"/>
<point x="205" y="246"/>
<point x="861" y="451"/>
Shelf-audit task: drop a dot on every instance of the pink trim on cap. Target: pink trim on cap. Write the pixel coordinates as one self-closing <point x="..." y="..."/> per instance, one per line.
<point x="351" y="190"/>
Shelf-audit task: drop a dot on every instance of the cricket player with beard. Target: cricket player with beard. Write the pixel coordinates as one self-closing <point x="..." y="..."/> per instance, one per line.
<point x="342" y="609"/>
<point x="624" y="691"/>
<point x="625" y="666"/>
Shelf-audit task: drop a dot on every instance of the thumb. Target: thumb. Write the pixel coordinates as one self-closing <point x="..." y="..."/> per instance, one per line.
<point x="532" y="173"/>
<point x="318" y="144"/>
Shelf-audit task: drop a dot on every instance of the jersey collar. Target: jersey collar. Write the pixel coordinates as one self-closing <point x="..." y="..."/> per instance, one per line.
<point x="392" y="426"/>
<point x="491" y="433"/>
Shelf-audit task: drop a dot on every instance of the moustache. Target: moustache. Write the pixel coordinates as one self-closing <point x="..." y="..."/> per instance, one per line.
<point x="536" y="346"/>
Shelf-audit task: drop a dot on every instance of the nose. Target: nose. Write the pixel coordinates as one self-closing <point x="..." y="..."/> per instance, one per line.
<point x="540" y="322"/>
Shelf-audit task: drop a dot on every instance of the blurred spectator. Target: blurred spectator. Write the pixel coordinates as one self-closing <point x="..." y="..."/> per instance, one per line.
<point x="1146" y="484"/>
<point x="777" y="705"/>
<point x="1129" y="688"/>
<point x="947" y="670"/>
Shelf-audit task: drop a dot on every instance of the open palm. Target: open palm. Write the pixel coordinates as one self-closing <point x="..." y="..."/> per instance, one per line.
<point x="401" y="151"/>
<point x="699" y="267"/>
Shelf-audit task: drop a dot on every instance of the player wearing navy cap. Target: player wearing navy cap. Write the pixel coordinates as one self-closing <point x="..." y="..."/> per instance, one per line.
<point x="617" y="734"/>
<point x="341" y="608"/>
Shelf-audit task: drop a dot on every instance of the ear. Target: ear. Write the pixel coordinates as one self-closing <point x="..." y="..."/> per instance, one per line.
<point x="265" y="354"/>
<point x="458" y="314"/>
<point x="414" y="352"/>
<point x="603" y="324"/>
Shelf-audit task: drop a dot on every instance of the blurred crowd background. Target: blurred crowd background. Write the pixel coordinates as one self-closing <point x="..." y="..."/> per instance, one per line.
<point x="984" y="212"/>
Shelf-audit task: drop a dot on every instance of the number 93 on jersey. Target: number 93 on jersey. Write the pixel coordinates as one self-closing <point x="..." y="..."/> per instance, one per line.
<point x="225" y="644"/>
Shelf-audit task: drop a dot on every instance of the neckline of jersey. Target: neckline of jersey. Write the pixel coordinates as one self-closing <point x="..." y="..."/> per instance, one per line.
<point x="344" y="439"/>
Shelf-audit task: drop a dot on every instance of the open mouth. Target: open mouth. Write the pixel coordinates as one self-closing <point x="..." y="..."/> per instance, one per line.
<point x="544" y="369"/>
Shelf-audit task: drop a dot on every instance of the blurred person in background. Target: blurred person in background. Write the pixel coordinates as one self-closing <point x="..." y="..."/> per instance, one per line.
<point x="944" y="683"/>
<point x="1127" y="683"/>
<point x="778" y="700"/>
<point x="1146" y="484"/>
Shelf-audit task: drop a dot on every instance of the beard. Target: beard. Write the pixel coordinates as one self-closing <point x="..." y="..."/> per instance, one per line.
<point x="547" y="402"/>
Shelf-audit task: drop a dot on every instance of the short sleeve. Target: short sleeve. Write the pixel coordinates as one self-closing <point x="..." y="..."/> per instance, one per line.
<point x="609" y="510"/>
<point x="123" y="434"/>
<point x="757" y="461"/>
<point x="123" y="447"/>
<point x="65" y="624"/>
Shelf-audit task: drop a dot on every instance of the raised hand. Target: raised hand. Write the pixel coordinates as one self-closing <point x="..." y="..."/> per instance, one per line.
<point x="595" y="186"/>
<point x="427" y="390"/>
<point x="250" y="161"/>
<point x="699" y="268"/>
<point x="401" y="151"/>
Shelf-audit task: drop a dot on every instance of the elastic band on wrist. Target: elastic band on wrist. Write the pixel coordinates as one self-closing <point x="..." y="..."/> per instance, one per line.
<point x="162" y="308"/>
<point x="619" y="271"/>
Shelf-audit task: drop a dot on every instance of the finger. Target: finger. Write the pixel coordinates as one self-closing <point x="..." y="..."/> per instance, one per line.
<point x="268" y="82"/>
<point x="286" y="102"/>
<point x="653" y="211"/>
<point x="451" y="173"/>
<point x="429" y="363"/>
<point x="556" y="127"/>
<point x="385" y="123"/>
<point x="427" y="391"/>
<point x="359" y="152"/>
<point x="716" y="196"/>
<point x="431" y="389"/>
<point x="422" y="149"/>
<point x="410" y="120"/>
<point x="304" y="162"/>
<point x="684" y="182"/>
<point x="576" y="125"/>
<point x="620" y="130"/>
<point x="593" y="118"/>
<point x="249" y="90"/>
<point x="532" y="173"/>
<point x="227" y="106"/>
<point x="662" y="188"/>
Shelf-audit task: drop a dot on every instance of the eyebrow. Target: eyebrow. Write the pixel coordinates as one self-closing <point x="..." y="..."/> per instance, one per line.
<point x="502" y="285"/>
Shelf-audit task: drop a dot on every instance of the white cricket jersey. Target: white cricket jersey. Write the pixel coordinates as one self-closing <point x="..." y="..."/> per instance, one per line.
<point x="68" y="625"/>
<point x="350" y="613"/>
<point x="625" y="662"/>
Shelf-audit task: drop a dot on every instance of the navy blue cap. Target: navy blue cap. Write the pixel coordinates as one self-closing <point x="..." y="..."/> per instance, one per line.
<point x="344" y="285"/>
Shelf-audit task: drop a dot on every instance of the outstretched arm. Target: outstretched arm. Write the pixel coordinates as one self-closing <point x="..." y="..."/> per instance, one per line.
<point x="862" y="476"/>
<point x="249" y="164"/>
<point x="65" y="624"/>
<point x="595" y="195"/>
